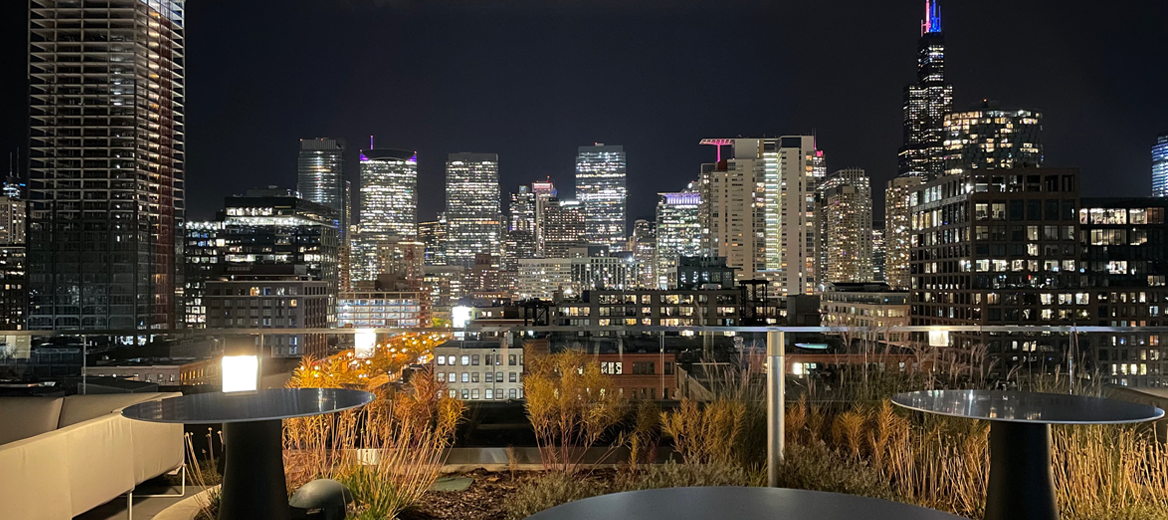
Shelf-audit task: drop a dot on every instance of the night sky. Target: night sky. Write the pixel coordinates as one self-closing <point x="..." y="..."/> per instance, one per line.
<point x="533" y="79"/>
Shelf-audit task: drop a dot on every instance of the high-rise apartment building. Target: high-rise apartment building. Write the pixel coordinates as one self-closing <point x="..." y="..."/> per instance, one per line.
<point x="601" y="190"/>
<point x="759" y="210"/>
<point x="389" y="192"/>
<point x="989" y="138"/>
<point x="643" y="245"/>
<point x="106" y="105"/>
<point x="1125" y="266"/>
<point x="679" y="232"/>
<point x="473" y="219"/>
<point x="320" y="176"/>
<point x="847" y="217"/>
<point x="13" y="277"/>
<point x="262" y="227"/>
<point x="898" y="230"/>
<point x="544" y="193"/>
<point x="879" y="252"/>
<point x="1160" y="166"/>
<point x="999" y="247"/>
<point x="433" y="234"/>
<point x="562" y="227"/>
<point x="926" y="102"/>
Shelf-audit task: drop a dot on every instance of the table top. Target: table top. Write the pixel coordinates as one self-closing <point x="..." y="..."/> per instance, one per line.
<point x="738" y="503"/>
<point x="1028" y="407"/>
<point x="259" y="405"/>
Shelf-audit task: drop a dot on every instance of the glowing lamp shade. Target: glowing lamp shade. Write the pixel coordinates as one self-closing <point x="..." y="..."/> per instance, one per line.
<point x="938" y="338"/>
<point x="240" y="373"/>
<point x="364" y="341"/>
<point x="460" y="316"/>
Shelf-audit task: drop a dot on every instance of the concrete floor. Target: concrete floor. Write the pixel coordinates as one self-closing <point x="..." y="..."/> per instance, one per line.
<point x="144" y="507"/>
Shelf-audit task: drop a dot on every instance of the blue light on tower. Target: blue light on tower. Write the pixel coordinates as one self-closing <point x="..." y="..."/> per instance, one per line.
<point x="932" y="21"/>
<point x="1160" y="166"/>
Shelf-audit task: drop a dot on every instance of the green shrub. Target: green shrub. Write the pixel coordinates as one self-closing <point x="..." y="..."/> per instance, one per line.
<point x="672" y="474"/>
<point x="820" y="469"/>
<point x="551" y="489"/>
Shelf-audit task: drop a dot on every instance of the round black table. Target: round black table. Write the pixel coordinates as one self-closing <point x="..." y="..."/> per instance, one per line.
<point x="253" y="479"/>
<point x="736" y="503"/>
<point x="1021" y="482"/>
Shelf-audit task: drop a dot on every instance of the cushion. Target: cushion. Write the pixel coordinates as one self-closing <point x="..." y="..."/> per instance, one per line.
<point x="24" y="417"/>
<point x="81" y="408"/>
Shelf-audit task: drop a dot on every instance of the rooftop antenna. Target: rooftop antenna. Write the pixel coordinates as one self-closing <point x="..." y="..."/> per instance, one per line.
<point x="370" y="141"/>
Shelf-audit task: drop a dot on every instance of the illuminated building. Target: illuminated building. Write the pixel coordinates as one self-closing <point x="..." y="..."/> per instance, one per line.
<point x="445" y="284"/>
<point x="989" y="138"/>
<point x="542" y="278"/>
<point x="473" y="220"/>
<point x="879" y="253"/>
<point x="999" y="247"/>
<point x="521" y="237"/>
<point x="262" y="227"/>
<point x="1125" y="260"/>
<point x="898" y="230"/>
<point x="562" y="227"/>
<point x="321" y="176"/>
<point x="926" y="102"/>
<point x="679" y="233"/>
<point x="106" y="106"/>
<point x="383" y="309"/>
<point x="389" y="192"/>
<point x="271" y="297"/>
<point x="433" y="234"/>
<point x="1160" y="167"/>
<point x="759" y="210"/>
<point x="643" y="245"/>
<point x="387" y="260"/>
<point x="479" y="370"/>
<point x="601" y="190"/>
<point x="13" y="262"/>
<point x="847" y="217"/>
<point x="872" y="305"/>
<point x="544" y="193"/>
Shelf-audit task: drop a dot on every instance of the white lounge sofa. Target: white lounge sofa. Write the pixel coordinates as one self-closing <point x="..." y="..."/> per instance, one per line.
<point x="60" y="457"/>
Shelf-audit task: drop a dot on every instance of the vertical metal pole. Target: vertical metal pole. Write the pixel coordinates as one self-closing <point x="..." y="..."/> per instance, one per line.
<point x="84" y="352"/>
<point x="776" y="381"/>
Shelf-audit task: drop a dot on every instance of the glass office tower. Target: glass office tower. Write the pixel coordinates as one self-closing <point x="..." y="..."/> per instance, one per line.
<point x="926" y="102"/>
<point x="601" y="190"/>
<point x="474" y="222"/>
<point x="106" y="163"/>
<point x="389" y="192"/>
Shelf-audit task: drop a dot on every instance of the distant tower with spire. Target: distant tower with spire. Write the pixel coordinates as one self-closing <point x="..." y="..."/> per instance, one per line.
<point x="926" y="102"/>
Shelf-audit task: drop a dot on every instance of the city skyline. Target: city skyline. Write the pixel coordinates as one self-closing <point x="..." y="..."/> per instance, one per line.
<point x="1073" y="68"/>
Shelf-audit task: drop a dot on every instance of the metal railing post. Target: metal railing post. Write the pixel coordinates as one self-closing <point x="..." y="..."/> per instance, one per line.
<point x="776" y="381"/>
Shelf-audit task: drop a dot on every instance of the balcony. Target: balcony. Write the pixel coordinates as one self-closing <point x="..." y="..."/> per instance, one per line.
<point x="602" y="410"/>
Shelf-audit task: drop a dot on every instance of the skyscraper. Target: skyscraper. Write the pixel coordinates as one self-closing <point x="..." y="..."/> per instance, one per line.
<point x="926" y="102"/>
<point x="759" y="210"/>
<point x="847" y="213"/>
<point x="601" y="190"/>
<point x="679" y="232"/>
<point x="879" y="253"/>
<point x="102" y="254"/>
<point x="898" y="230"/>
<point x="643" y="246"/>
<point x="1160" y="166"/>
<point x="989" y="138"/>
<point x="544" y="193"/>
<point x="433" y="234"/>
<point x="320" y="175"/>
<point x="389" y="192"/>
<point x="473" y="220"/>
<point x="562" y="227"/>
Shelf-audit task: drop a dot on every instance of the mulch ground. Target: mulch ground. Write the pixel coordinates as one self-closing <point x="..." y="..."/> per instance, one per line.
<point x="483" y="500"/>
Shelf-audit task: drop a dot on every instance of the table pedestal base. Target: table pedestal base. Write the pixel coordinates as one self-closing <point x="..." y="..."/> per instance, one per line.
<point x="253" y="479"/>
<point x="1021" y="483"/>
